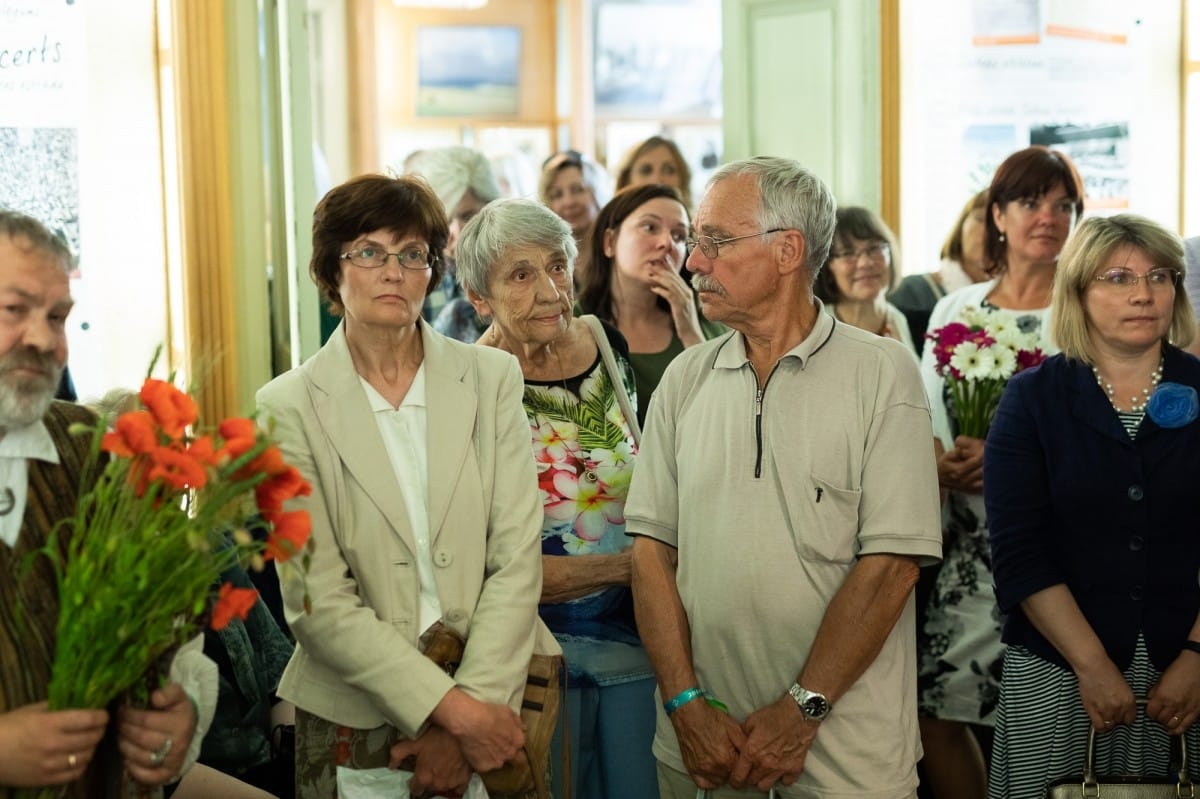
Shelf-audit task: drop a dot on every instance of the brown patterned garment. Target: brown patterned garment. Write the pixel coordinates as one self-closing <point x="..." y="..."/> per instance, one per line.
<point x="29" y="598"/>
<point x="322" y="746"/>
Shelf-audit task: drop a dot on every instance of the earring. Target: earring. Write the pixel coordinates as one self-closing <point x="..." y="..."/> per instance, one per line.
<point x="1002" y="237"/>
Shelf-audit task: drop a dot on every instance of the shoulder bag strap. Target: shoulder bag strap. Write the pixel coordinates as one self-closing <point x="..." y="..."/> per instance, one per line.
<point x="614" y="375"/>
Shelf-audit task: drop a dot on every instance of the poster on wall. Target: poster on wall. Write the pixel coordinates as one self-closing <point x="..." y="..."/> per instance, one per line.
<point x="657" y="59"/>
<point x="985" y="78"/>
<point x="41" y="80"/>
<point x="468" y="70"/>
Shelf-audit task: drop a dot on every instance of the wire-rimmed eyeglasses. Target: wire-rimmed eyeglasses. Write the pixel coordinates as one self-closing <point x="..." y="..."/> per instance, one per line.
<point x="711" y="246"/>
<point x="873" y="251"/>
<point x="1160" y="277"/>
<point x="369" y="256"/>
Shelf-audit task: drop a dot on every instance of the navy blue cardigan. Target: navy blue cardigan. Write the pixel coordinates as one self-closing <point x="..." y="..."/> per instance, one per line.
<point x="1071" y="499"/>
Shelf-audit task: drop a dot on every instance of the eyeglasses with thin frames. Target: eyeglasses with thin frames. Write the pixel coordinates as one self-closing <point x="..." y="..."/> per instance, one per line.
<point x="874" y="251"/>
<point x="370" y="256"/>
<point x="711" y="247"/>
<point x="1160" y="277"/>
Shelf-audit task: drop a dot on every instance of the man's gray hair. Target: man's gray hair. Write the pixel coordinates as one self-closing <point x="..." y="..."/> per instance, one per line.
<point x="453" y="171"/>
<point x="16" y="225"/>
<point x="790" y="197"/>
<point x="505" y="224"/>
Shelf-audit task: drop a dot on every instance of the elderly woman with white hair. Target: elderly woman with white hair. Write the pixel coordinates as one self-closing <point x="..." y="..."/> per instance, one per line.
<point x="515" y="261"/>
<point x="463" y="180"/>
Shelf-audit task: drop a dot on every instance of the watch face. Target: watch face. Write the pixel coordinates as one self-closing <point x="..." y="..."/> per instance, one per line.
<point x="815" y="706"/>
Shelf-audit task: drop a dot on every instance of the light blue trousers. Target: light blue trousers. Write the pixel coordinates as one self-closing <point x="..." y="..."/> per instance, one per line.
<point x="611" y="729"/>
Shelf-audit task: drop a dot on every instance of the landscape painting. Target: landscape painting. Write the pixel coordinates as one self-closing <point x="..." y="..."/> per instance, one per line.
<point x="468" y="70"/>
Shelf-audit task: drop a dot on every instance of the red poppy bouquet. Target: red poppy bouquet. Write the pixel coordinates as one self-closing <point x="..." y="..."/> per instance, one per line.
<point x="168" y="512"/>
<point x="976" y="356"/>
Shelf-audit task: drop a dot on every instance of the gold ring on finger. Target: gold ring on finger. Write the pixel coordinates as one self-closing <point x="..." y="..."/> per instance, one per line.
<point x="72" y="760"/>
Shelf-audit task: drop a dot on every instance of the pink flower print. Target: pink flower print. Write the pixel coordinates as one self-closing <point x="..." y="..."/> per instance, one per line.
<point x="613" y="467"/>
<point x="554" y="440"/>
<point x="594" y="510"/>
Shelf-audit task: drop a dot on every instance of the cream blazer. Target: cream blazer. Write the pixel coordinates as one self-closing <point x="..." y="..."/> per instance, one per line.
<point x="356" y="660"/>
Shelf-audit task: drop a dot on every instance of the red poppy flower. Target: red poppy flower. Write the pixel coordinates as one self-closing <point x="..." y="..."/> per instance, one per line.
<point x="172" y="409"/>
<point x="274" y="491"/>
<point x="269" y="461"/>
<point x="240" y="436"/>
<point x="289" y="533"/>
<point x="232" y="602"/>
<point x="177" y="469"/>
<point x="201" y="449"/>
<point x="134" y="433"/>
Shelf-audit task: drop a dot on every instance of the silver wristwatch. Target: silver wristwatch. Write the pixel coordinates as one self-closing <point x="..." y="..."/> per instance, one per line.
<point x="813" y="705"/>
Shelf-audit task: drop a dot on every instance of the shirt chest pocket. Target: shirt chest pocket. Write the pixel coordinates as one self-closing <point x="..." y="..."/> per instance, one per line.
<point x="825" y="520"/>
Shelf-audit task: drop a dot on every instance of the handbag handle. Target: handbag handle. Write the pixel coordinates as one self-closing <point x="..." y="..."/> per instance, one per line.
<point x="614" y="375"/>
<point x="1091" y="785"/>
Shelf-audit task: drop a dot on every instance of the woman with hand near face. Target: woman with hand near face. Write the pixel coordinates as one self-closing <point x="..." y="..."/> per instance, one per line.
<point x="1033" y="202"/>
<point x="1091" y="497"/>
<point x="861" y="268"/>
<point x="635" y="282"/>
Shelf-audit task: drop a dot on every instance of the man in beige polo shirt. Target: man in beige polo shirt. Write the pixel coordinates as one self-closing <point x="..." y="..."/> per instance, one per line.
<point x="784" y="497"/>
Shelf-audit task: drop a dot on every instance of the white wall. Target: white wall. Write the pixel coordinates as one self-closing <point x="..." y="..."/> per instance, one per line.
<point x="121" y="311"/>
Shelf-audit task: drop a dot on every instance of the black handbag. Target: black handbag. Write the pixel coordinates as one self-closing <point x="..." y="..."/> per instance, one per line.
<point x="1125" y="786"/>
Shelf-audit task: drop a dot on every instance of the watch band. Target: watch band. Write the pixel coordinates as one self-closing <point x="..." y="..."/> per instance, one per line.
<point x="1192" y="646"/>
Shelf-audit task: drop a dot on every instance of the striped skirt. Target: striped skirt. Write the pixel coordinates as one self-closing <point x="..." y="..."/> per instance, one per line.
<point x="1042" y="729"/>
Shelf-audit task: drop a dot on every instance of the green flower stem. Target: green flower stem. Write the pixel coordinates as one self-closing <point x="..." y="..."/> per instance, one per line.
<point x="975" y="403"/>
<point x="139" y="574"/>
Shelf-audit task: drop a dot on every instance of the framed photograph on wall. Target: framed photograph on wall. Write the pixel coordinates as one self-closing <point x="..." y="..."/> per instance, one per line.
<point x="468" y="70"/>
<point x="639" y="72"/>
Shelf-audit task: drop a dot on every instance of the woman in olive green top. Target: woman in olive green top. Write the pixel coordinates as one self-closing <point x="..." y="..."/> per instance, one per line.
<point x="635" y="281"/>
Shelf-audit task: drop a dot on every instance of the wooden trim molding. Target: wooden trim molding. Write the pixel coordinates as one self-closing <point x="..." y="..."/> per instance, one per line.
<point x="206" y="226"/>
<point x="889" y="109"/>
<point x="360" y="86"/>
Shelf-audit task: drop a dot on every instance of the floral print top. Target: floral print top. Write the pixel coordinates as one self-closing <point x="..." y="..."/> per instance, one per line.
<point x="585" y="451"/>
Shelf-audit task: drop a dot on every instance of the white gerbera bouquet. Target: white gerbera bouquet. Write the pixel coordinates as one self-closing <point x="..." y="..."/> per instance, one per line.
<point x="975" y="357"/>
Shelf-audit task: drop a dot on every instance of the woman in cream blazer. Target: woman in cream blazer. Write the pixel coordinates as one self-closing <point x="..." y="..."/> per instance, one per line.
<point x="405" y="530"/>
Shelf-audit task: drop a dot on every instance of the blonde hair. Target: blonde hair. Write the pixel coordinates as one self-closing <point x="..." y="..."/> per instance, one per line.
<point x="1087" y="253"/>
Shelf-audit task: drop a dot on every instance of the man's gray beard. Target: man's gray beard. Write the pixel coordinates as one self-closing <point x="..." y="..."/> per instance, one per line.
<point x="25" y="401"/>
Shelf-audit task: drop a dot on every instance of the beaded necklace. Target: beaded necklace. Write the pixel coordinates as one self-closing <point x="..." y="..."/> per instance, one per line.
<point x="1137" y="403"/>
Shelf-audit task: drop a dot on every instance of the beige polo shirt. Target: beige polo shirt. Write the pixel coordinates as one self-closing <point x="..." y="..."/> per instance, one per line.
<point x="770" y="510"/>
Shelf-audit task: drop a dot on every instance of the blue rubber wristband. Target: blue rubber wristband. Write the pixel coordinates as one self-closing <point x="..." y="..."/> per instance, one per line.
<point x="682" y="699"/>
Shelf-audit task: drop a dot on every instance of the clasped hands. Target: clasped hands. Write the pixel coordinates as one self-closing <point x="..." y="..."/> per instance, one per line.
<point x="960" y="468"/>
<point x="769" y="748"/>
<point x="1173" y="702"/>
<point x="485" y="737"/>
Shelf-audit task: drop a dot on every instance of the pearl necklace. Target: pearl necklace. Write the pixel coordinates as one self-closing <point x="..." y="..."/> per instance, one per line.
<point x="1137" y="404"/>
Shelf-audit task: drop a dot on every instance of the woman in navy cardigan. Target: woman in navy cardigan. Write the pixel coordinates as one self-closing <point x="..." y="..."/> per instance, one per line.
<point x="1090" y="484"/>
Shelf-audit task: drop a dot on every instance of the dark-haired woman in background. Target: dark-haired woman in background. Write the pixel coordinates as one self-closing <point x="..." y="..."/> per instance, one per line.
<point x="1090" y="489"/>
<point x="634" y="281"/>
<point x="861" y="268"/>
<point x="1033" y="202"/>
